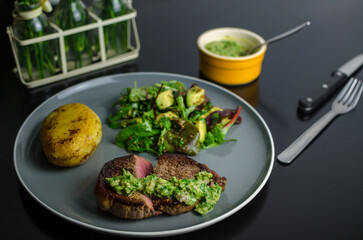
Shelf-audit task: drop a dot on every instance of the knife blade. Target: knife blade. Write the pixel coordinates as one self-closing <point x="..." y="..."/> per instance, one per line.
<point x="337" y="80"/>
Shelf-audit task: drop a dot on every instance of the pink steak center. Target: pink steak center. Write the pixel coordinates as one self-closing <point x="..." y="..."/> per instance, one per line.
<point x="143" y="167"/>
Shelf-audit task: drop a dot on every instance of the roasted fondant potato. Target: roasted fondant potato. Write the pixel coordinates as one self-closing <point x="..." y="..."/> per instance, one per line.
<point x="70" y="134"/>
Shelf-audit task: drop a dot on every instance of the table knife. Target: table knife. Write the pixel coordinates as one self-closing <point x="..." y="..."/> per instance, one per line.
<point x="338" y="78"/>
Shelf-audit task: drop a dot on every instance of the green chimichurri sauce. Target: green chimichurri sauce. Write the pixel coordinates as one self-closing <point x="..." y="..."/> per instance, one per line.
<point x="226" y="48"/>
<point x="201" y="189"/>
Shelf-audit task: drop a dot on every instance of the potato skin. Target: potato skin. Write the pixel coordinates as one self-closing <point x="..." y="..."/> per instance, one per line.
<point x="70" y="134"/>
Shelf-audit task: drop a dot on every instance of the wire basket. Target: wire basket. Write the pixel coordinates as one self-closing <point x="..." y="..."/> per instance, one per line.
<point x="101" y="62"/>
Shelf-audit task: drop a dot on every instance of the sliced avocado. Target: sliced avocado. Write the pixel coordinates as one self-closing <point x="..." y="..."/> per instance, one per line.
<point x="202" y="128"/>
<point x="195" y="96"/>
<point x="165" y="99"/>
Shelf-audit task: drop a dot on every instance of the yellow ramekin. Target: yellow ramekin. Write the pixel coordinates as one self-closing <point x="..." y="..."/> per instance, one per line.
<point x="230" y="70"/>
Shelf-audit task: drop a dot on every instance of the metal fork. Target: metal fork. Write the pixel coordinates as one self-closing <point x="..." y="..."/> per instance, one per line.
<point x="344" y="103"/>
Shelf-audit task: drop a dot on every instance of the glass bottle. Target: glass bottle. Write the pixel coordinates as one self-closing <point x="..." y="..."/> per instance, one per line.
<point x="116" y="36"/>
<point x="71" y="14"/>
<point x="38" y="60"/>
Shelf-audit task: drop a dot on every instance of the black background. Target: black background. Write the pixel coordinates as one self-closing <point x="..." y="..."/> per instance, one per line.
<point x="319" y="196"/>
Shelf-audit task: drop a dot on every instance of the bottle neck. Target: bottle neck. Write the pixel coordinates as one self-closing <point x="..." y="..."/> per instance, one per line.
<point x="29" y="10"/>
<point x="24" y="11"/>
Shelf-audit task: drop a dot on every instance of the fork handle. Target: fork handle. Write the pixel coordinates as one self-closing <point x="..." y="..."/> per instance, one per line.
<point x="295" y="148"/>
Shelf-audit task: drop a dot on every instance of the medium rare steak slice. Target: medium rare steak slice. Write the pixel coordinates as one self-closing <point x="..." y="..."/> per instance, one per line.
<point x="181" y="167"/>
<point x="135" y="206"/>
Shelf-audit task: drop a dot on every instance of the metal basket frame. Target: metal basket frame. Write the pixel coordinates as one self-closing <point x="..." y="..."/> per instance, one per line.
<point x="133" y="52"/>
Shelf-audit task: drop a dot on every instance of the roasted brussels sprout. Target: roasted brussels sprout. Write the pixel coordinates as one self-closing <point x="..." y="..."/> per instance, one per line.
<point x="165" y="99"/>
<point x="195" y="96"/>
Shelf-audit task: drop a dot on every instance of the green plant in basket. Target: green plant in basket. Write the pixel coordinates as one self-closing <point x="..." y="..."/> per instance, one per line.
<point x="37" y="60"/>
<point x="71" y="14"/>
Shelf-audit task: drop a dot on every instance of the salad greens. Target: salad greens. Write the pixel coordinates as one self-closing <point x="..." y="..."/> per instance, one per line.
<point x="167" y="117"/>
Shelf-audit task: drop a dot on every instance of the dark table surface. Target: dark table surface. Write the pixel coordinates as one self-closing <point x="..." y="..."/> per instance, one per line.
<point x="319" y="196"/>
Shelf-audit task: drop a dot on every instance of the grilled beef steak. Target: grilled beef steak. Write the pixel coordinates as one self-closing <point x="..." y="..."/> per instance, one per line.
<point x="137" y="205"/>
<point x="181" y="167"/>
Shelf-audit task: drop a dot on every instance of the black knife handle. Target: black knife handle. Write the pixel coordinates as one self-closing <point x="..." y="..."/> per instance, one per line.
<point x="311" y="102"/>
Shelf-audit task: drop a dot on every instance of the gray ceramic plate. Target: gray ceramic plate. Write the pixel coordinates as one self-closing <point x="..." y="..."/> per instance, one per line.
<point x="68" y="192"/>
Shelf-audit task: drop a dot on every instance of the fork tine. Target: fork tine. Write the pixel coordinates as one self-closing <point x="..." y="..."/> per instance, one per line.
<point x="357" y="95"/>
<point x="349" y="97"/>
<point x="344" y="90"/>
<point x="347" y="92"/>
